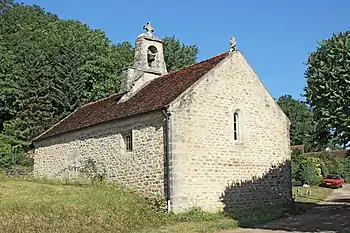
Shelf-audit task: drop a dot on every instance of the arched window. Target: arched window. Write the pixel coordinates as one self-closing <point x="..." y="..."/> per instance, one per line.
<point x="235" y="126"/>
<point x="128" y="141"/>
<point x="151" y="55"/>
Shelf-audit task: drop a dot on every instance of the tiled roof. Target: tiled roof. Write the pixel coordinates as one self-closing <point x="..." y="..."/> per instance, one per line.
<point x="154" y="96"/>
<point x="338" y="153"/>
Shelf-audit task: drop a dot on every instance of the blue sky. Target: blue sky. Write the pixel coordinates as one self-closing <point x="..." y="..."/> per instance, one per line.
<point x="275" y="36"/>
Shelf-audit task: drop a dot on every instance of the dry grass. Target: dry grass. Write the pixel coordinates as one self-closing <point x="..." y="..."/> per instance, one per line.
<point x="313" y="194"/>
<point x="34" y="207"/>
<point x="48" y="207"/>
<point x="28" y="207"/>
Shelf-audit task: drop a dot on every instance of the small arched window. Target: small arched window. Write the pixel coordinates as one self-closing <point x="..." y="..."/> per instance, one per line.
<point x="151" y="55"/>
<point x="235" y="126"/>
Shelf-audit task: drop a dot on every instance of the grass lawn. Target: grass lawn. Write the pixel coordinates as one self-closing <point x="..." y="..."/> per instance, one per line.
<point x="39" y="207"/>
<point x="313" y="194"/>
<point x="43" y="207"/>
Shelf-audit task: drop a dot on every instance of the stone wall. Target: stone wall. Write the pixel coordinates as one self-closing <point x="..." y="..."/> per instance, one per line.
<point x="209" y="168"/>
<point x="143" y="168"/>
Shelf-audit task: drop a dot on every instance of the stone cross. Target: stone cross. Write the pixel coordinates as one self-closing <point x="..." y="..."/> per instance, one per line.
<point x="148" y="27"/>
<point x="233" y="44"/>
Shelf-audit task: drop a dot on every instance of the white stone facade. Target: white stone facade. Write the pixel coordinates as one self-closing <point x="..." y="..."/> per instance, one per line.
<point x="141" y="169"/>
<point x="208" y="167"/>
<point x="144" y="70"/>
<point x="205" y="158"/>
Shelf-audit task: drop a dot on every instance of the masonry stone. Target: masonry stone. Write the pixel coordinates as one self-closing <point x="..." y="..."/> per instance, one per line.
<point x="149" y="63"/>
<point x="222" y="144"/>
<point x="142" y="169"/>
<point x="212" y="170"/>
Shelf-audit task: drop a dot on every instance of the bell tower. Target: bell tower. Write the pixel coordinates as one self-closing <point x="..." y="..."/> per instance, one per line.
<point x="148" y="63"/>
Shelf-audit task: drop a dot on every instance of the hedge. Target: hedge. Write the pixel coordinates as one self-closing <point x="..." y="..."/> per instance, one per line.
<point x="310" y="170"/>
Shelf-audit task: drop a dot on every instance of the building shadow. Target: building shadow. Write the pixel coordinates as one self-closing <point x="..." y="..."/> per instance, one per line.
<point x="320" y="218"/>
<point x="266" y="203"/>
<point x="341" y="200"/>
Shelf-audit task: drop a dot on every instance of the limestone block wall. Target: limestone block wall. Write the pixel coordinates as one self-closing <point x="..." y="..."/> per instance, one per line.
<point x="141" y="169"/>
<point x="209" y="168"/>
<point x="142" y="45"/>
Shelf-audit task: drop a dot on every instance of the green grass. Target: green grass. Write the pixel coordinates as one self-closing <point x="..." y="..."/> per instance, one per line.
<point x="313" y="194"/>
<point x="308" y="197"/>
<point x="48" y="206"/>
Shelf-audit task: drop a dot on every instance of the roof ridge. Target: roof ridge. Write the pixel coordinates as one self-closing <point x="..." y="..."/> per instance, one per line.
<point x="153" y="96"/>
<point x="218" y="55"/>
<point x="117" y="94"/>
<point x="104" y="98"/>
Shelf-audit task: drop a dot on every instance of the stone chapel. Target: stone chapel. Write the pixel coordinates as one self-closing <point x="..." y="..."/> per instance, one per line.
<point x="207" y="135"/>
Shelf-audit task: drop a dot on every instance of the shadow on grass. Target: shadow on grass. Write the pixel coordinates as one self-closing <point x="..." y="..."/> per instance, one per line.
<point x="341" y="200"/>
<point x="312" y="217"/>
<point x="255" y="203"/>
<point x="260" y="199"/>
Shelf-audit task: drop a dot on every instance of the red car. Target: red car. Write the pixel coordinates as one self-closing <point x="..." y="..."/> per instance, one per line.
<point x="332" y="181"/>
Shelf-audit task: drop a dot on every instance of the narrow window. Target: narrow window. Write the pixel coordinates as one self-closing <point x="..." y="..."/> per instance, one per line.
<point x="128" y="141"/>
<point x="151" y="55"/>
<point x="235" y="126"/>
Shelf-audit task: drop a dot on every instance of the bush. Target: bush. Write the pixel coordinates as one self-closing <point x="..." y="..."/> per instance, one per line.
<point x="91" y="169"/>
<point x="158" y="203"/>
<point x="310" y="170"/>
<point x="305" y="170"/>
<point x="12" y="152"/>
<point x="338" y="165"/>
<point x="297" y="157"/>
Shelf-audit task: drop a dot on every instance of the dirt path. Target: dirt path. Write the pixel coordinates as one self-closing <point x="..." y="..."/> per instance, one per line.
<point x="332" y="215"/>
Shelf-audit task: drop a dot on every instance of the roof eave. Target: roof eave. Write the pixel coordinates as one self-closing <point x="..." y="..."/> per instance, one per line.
<point x="43" y="137"/>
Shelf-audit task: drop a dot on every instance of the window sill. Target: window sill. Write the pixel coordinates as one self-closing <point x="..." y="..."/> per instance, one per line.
<point x="239" y="143"/>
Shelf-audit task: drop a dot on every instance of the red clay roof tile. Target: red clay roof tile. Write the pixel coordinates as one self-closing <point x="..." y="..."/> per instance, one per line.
<point x="154" y="96"/>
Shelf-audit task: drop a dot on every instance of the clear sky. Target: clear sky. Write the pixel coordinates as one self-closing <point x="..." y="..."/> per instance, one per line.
<point x="275" y="36"/>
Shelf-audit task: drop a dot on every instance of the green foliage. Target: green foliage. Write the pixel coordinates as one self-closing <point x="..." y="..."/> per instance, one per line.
<point x="305" y="169"/>
<point x="328" y="88"/>
<point x="310" y="170"/>
<point x="3" y="177"/>
<point x="90" y="169"/>
<point x="331" y="164"/>
<point x="300" y="117"/>
<point x="11" y="151"/>
<point x="49" y="67"/>
<point x="4" y="4"/>
<point x="178" y="55"/>
<point x="297" y="157"/>
<point x="159" y="203"/>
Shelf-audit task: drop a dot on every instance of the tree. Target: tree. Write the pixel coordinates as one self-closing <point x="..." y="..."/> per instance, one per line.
<point x="5" y="4"/>
<point x="178" y="55"/>
<point x="328" y="88"/>
<point x="49" y="67"/>
<point x="301" y="119"/>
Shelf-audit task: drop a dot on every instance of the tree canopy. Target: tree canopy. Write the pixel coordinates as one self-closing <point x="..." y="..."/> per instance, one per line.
<point x="50" y="66"/>
<point x="328" y="88"/>
<point x="300" y="117"/>
<point x="178" y="55"/>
